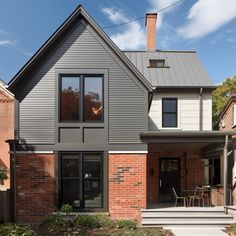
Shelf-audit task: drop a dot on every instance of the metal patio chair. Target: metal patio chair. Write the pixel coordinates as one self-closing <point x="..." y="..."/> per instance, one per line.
<point x="176" y="198"/>
<point x="198" y="195"/>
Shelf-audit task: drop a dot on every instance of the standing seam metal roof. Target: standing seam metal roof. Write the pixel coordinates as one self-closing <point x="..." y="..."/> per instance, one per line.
<point x="182" y="68"/>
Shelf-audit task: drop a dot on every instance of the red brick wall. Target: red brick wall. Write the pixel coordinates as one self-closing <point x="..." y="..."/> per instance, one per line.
<point x="127" y="185"/>
<point x="6" y="130"/>
<point x="35" y="187"/>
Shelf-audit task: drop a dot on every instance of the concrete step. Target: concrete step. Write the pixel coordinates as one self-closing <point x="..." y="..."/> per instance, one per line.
<point x="182" y="216"/>
<point x="192" y="223"/>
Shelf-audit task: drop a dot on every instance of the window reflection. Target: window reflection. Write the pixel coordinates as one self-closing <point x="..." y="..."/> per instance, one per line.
<point x="69" y="104"/>
<point x="93" y="98"/>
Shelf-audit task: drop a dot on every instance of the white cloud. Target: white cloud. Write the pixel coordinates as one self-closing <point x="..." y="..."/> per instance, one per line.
<point x="207" y="16"/>
<point x="160" y="4"/>
<point x="7" y="42"/>
<point x="231" y="40"/>
<point x="132" y="35"/>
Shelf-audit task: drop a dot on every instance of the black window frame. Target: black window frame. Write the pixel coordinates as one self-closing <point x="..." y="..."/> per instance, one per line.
<point x="81" y="97"/>
<point x="153" y="63"/>
<point x="81" y="178"/>
<point x="176" y="112"/>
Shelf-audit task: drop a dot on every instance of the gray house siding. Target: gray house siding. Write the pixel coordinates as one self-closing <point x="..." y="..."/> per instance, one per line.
<point x="81" y="49"/>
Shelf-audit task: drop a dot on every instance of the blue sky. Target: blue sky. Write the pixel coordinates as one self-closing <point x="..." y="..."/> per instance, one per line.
<point x="207" y="26"/>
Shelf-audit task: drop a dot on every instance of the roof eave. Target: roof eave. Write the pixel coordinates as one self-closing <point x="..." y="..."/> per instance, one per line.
<point x="64" y="26"/>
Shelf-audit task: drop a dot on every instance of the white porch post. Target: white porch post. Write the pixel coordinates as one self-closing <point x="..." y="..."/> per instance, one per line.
<point x="225" y="169"/>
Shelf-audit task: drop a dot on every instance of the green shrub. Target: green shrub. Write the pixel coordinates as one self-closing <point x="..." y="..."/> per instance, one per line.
<point x="3" y="174"/>
<point x="16" y="230"/>
<point x="93" y="221"/>
<point x="66" y="208"/>
<point x="127" y="224"/>
<point x="55" y="223"/>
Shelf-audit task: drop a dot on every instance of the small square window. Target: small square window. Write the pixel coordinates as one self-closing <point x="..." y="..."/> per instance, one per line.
<point x="160" y="63"/>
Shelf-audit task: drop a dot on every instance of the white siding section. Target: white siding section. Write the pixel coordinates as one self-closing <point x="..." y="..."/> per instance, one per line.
<point x="188" y="111"/>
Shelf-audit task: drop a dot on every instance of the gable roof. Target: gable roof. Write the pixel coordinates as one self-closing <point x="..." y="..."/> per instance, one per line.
<point x="60" y="32"/>
<point x="6" y="94"/>
<point x="182" y="68"/>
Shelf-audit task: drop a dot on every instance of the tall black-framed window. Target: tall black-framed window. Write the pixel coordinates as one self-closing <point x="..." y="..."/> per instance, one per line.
<point x="81" y="98"/>
<point x="169" y="112"/>
<point x="81" y="181"/>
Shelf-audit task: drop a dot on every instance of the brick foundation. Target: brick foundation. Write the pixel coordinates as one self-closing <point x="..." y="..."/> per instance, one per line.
<point x="35" y="187"/>
<point x="127" y="185"/>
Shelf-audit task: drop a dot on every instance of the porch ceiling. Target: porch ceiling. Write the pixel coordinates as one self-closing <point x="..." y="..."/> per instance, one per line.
<point x="211" y="143"/>
<point x="201" y="137"/>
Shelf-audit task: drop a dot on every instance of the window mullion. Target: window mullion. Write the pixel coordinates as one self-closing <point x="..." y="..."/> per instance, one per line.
<point x="81" y="104"/>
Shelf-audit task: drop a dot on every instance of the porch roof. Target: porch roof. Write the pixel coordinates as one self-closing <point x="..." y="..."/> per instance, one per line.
<point x="171" y="136"/>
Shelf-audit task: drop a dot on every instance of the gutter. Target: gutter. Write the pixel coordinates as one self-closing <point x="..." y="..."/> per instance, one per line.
<point x="200" y="110"/>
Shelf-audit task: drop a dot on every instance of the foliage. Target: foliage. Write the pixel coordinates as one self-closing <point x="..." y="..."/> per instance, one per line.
<point x="127" y="224"/>
<point x="16" y="230"/>
<point x="3" y="174"/>
<point x="93" y="221"/>
<point x="66" y="208"/>
<point x="221" y="95"/>
<point x="55" y="223"/>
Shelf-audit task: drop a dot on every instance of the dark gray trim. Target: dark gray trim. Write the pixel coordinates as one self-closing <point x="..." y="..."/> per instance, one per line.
<point x="81" y="125"/>
<point x="85" y="147"/>
<point x="57" y="189"/>
<point x="58" y="35"/>
<point x="16" y="119"/>
<point x="186" y="136"/>
<point x="184" y="88"/>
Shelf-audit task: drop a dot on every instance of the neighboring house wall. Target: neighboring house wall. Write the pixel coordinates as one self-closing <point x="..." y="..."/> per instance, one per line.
<point x="227" y="122"/>
<point x="82" y="48"/>
<point x="188" y="110"/>
<point x="6" y="129"/>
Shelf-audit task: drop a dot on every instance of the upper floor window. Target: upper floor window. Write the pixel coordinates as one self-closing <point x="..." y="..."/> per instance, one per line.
<point x="81" y="98"/>
<point x="169" y="112"/>
<point x="157" y="63"/>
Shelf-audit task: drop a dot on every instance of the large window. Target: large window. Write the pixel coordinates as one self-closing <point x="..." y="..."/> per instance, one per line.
<point x="81" y="98"/>
<point x="81" y="180"/>
<point x="169" y="112"/>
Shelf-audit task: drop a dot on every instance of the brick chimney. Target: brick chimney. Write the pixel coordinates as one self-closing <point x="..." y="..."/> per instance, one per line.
<point x="151" y="19"/>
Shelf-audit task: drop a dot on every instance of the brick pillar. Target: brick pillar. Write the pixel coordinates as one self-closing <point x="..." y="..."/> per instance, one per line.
<point x="35" y="187"/>
<point x="127" y="185"/>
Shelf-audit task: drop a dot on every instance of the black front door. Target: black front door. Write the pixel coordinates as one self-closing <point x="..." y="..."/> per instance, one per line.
<point x="169" y="176"/>
<point x="81" y="180"/>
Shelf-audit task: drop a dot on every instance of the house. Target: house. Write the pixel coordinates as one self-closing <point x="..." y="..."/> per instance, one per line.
<point x="6" y="128"/>
<point x="106" y="130"/>
<point x="227" y="118"/>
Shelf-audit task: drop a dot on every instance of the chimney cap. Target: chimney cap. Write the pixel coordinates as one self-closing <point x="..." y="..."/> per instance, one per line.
<point x="154" y="15"/>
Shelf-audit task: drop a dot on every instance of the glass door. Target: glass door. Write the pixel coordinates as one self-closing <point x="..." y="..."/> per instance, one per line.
<point x="81" y="180"/>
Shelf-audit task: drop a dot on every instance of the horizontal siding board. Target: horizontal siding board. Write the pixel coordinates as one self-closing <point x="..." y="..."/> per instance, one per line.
<point x="82" y="49"/>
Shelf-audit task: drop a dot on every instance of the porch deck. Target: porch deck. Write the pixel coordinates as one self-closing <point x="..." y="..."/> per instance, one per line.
<point x="187" y="216"/>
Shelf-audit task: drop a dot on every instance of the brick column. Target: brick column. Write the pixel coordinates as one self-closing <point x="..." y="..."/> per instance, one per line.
<point x="127" y="185"/>
<point x="35" y="187"/>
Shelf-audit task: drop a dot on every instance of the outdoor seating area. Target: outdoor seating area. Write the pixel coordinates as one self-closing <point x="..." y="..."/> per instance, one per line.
<point x="200" y="196"/>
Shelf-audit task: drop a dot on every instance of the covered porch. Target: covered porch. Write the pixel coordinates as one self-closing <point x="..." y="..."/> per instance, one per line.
<point x="185" y="160"/>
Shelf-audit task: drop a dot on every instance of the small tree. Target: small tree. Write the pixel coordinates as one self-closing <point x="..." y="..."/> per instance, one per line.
<point x="3" y="175"/>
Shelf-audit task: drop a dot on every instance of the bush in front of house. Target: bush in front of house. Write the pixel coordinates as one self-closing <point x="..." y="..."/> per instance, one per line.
<point x="3" y="175"/>
<point x="127" y="224"/>
<point x="16" y="230"/>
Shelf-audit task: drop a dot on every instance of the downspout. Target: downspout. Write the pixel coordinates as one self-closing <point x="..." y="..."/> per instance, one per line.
<point x="225" y="168"/>
<point x="12" y="144"/>
<point x="200" y="111"/>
